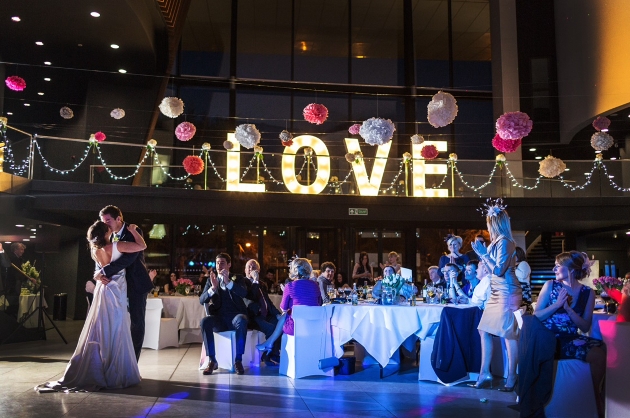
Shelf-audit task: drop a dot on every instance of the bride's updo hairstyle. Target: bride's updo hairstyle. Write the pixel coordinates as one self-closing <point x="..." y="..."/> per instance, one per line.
<point x="96" y="235"/>
<point x="576" y="262"/>
<point x="300" y="268"/>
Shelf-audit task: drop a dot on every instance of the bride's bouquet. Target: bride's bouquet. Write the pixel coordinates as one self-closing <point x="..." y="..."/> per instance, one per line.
<point x="31" y="272"/>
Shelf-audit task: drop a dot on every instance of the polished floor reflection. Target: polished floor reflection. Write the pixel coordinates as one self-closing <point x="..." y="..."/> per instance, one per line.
<point x="173" y="387"/>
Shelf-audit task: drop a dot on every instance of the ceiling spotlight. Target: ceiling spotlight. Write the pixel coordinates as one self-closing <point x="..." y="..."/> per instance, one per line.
<point x="122" y="71"/>
<point x="532" y="149"/>
<point x="567" y="169"/>
<point x="40" y="93"/>
<point x="33" y="229"/>
<point x="39" y="43"/>
<point x="613" y="158"/>
<point x="628" y="233"/>
<point x="26" y="239"/>
<point x="27" y="104"/>
<point x="46" y="79"/>
<point x="605" y="130"/>
<point x="10" y="113"/>
<point x="587" y="174"/>
<point x="16" y="18"/>
<point x="114" y="46"/>
<point x="47" y="63"/>
<point x="95" y="14"/>
<point x="33" y="236"/>
<point x="598" y="152"/>
<point x="539" y="158"/>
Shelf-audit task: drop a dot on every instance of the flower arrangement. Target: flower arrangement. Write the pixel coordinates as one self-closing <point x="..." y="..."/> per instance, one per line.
<point x="505" y="145"/>
<point x="247" y="135"/>
<point x="185" y="131"/>
<point x="394" y="281"/>
<point x="193" y="165"/>
<point x="171" y="107"/>
<point x="15" y="83"/>
<point x="609" y="282"/>
<point x="377" y="131"/>
<point x="315" y="113"/>
<point x="514" y="125"/>
<point x="429" y="152"/>
<point x="182" y="284"/>
<point x="601" y="141"/>
<point x="31" y="272"/>
<point x="601" y="123"/>
<point x="442" y="109"/>
<point x="354" y="129"/>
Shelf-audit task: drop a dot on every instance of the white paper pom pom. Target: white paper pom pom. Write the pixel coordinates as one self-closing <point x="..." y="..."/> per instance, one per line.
<point x="442" y="109"/>
<point x="228" y="145"/>
<point x="601" y="141"/>
<point x="66" y="112"/>
<point x="417" y="139"/>
<point x="117" y="113"/>
<point x="551" y="167"/>
<point x="172" y="107"/>
<point x="377" y="131"/>
<point x="285" y="136"/>
<point x="247" y="135"/>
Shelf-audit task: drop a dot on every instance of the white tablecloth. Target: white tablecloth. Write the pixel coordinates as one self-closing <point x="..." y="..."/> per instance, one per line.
<point x="188" y="312"/>
<point x="28" y="303"/>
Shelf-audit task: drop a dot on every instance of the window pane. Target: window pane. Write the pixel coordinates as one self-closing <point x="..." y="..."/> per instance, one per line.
<point x="276" y="245"/>
<point x="430" y="37"/>
<point x="245" y="248"/>
<point x="197" y="245"/>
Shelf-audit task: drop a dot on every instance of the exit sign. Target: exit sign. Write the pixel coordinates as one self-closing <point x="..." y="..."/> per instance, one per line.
<point x="357" y="211"/>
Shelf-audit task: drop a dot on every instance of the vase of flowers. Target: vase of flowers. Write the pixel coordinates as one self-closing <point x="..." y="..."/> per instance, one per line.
<point x="29" y="270"/>
<point x="601" y="283"/>
<point x="394" y="283"/>
<point x="182" y="284"/>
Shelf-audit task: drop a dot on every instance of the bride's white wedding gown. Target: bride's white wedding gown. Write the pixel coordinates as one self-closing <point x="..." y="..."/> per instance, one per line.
<point x="104" y="357"/>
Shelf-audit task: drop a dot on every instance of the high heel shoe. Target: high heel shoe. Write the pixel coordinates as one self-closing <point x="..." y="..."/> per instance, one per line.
<point x="481" y="382"/>
<point x="507" y="388"/>
<point x="263" y="348"/>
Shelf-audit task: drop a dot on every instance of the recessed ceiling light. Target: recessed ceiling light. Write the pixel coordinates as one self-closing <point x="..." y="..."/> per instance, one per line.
<point x="33" y="229"/>
<point x="122" y="71"/>
<point x="628" y="233"/>
<point x="567" y="169"/>
<point x="532" y="149"/>
<point x="26" y="239"/>
<point x="46" y="79"/>
<point x="33" y="236"/>
<point x="16" y="18"/>
<point x="613" y="158"/>
<point x="598" y="152"/>
<point x="114" y="46"/>
<point x="19" y="226"/>
<point x="95" y="14"/>
<point x="39" y="43"/>
<point x="587" y="174"/>
<point x="40" y="93"/>
<point x="79" y="44"/>
<point x="539" y="158"/>
<point x="10" y="113"/>
<point x="9" y="242"/>
<point x="605" y="130"/>
<point x="47" y="63"/>
<point x="27" y="104"/>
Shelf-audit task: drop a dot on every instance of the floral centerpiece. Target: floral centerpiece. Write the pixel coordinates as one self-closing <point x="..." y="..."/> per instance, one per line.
<point x="182" y="284"/>
<point x="31" y="272"/>
<point x="394" y="281"/>
<point x="609" y="282"/>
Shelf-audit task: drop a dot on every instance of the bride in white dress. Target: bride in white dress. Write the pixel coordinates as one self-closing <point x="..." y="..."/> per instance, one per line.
<point x="104" y="357"/>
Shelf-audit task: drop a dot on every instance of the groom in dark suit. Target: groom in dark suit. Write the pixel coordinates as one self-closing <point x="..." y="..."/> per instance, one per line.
<point x="139" y="283"/>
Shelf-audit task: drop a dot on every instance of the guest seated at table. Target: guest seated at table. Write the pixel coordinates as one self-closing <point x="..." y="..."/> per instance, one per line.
<point x="270" y="278"/>
<point x="393" y="260"/>
<point x="436" y="279"/>
<point x="405" y="292"/>
<point x="454" y="244"/>
<point x="451" y="272"/>
<point x="565" y="306"/>
<point x="340" y="281"/>
<point x="169" y="288"/>
<point x="325" y="279"/>
<point x="470" y="277"/>
<point x="362" y="270"/>
<point x="301" y="291"/>
<point x="315" y="274"/>
<point x="523" y="271"/>
<point x="481" y="291"/>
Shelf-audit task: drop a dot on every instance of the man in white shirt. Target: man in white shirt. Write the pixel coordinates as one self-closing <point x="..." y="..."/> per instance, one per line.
<point x="481" y="293"/>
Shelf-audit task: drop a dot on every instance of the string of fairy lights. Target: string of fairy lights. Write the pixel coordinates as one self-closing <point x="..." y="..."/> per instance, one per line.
<point x="152" y="155"/>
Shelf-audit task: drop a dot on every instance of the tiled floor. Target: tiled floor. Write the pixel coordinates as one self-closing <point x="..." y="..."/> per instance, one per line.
<point x="173" y="387"/>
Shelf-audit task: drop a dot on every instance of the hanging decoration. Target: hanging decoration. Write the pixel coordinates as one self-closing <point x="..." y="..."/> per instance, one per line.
<point x="377" y="131"/>
<point x="258" y="150"/>
<point x="442" y="109"/>
<point x="406" y="160"/>
<point x="551" y="167"/>
<point x="601" y="123"/>
<point x="500" y="159"/>
<point x="286" y="138"/>
<point x="429" y="152"/>
<point x="505" y="145"/>
<point x="315" y="113"/>
<point x="206" y="146"/>
<point x="100" y="136"/>
<point x="193" y="165"/>
<point x="66" y="112"/>
<point x="452" y="156"/>
<point x="151" y="144"/>
<point x="601" y="141"/>
<point x="514" y="125"/>
<point x="172" y="107"/>
<point x="599" y="157"/>
<point x="228" y="145"/>
<point x="354" y="129"/>
<point x="93" y="140"/>
<point x="117" y="113"/>
<point x="247" y="135"/>
<point x="185" y="131"/>
<point x="417" y="139"/>
<point x="15" y="83"/>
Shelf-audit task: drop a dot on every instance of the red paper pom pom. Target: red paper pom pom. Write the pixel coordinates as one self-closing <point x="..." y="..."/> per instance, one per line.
<point x="287" y="143"/>
<point x="99" y="136"/>
<point x="193" y="165"/>
<point x="505" y="145"/>
<point x="15" y="83"/>
<point x="315" y="113"/>
<point x="429" y="152"/>
<point x="601" y="123"/>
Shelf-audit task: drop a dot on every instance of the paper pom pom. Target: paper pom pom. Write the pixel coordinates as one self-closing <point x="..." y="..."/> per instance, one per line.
<point x="315" y="113"/>
<point x="377" y="131"/>
<point x="247" y="135"/>
<point x="601" y="123"/>
<point x="117" y="113"/>
<point x="514" y="125"/>
<point x="286" y="138"/>
<point x="500" y="158"/>
<point x="599" y="157"/>
<point x="99" y="136"/>
<point x="354" y="129"/>
<point x="601" y="141"/>
<point x="452" y="156"/>
<point x="442" y="109"/>
<point x="185" y="131"/>
<point x="258" y="149"/>
<point x="551" y="167"/>
<point x="206" y="146"/>
<point x="417" y="139"/>
<point x="193" y="165"/>
<point x="66" y="112"/>
<point x="350" y="157"/>
<point x="228" y="145"/>
<point x="429" y="152"/>
<point x="171" y="107"/>
<point x="15" y="83"/>
<point x="152" y="143"/>
<point x="505" y="145"/>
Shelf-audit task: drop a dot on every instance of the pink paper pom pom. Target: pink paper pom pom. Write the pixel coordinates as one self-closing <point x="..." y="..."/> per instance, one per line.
<point x="15" y="83"/>
<point x="99" y="136"/>
<point x="193" y="165"/>
<point x="429" y="152"/>
<point x="505" y="145"/>
<point x="514" y="125"/>
<point x="601" y="123"/>
<point x="354" y="129"/>
<point x="185" y="131"/>
<point x="315" y="113"/>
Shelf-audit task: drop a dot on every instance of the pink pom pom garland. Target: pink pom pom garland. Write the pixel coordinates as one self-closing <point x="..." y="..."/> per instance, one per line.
<point x="100" y="136"/>
<point x="15" y="83"/>
<point x="315" y="113"/>
<point x="505" y="145"/>
<point x="354" y="129"/>
<point x="193" y="165"/>
<point x="601" y="123"/>
<point x="185" y="131"/>
<point x="429" y="152"/>
<point x="514" y="125"/>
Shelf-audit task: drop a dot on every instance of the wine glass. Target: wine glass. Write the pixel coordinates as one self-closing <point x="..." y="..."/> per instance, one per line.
<point x="439" y="291"/>
<point x="331" y="292"/>
<point x="187" y="290"/>
<point x="431" y="293"/>
<point x="347" y="293"/>
<point x="605" y="297"/>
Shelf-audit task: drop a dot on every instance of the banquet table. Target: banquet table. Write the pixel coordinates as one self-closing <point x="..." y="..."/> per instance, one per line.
<point x="28" y="303"/>
<point x="188" y="312"/>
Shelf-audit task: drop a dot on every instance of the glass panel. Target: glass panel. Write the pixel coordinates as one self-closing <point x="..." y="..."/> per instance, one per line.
<point x="197" y="245"/>
<point x="393" y="241"/>
<point x="276" y="255"/>
<point x="366" y="240"/>
<point x="430" y="37"/>
<point x="377" y="42"/>
<point x="264" y="39"/>
<point x="157" y="255"/>
<point x="205" y="40"/>
<point x="245" y="248"/>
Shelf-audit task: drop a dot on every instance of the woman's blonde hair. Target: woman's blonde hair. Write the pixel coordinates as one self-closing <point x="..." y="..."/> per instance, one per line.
<point x="300" y="268"/>
<point x="498" y="225"/>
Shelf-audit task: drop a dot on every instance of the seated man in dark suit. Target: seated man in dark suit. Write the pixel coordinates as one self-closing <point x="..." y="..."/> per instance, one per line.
<point x="227" y="311"/>
<point x="263" y="313"/>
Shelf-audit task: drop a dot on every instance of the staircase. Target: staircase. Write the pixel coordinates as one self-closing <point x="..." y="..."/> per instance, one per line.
<point x="542" y="264"/>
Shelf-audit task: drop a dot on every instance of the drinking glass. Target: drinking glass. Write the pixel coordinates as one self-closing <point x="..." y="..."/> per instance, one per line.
<point x="187" y="290"/>
<point x="347" y="293"/>
<point x="431" y="294"/>
<point x="331" y="292"/>
<point x="197" y="289"/>
<point x="438" y="292"/>
<point x="156" y="291"/>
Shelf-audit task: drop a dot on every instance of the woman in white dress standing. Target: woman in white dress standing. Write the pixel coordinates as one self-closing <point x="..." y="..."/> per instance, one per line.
<point x="104" y="357"/>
